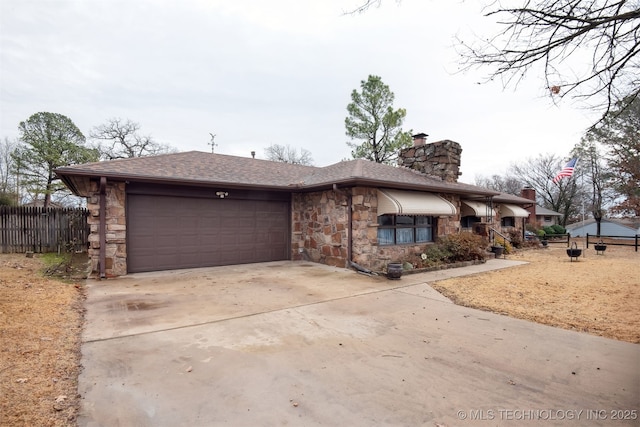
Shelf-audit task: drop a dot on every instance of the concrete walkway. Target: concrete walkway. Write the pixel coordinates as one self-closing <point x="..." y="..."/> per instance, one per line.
<point x="294" y="343"/>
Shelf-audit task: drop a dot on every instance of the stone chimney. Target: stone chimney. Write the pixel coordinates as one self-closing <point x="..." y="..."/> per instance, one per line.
<point x="440" y="159"/>
<point x="530" y="193"/>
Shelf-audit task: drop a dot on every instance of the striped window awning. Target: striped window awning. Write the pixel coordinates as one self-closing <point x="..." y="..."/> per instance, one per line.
<point x="513" y="210"/>
<point x="397" y="202"/>
<point x="471" y="208"/>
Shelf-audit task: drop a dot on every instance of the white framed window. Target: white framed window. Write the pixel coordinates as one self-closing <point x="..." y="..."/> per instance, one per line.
<point x="405" y="229"/>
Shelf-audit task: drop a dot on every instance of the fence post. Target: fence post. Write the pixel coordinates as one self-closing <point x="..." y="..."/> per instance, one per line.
<point x="587" y="240"/>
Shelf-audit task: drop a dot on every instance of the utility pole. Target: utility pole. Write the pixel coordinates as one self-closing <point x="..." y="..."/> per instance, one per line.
<point x="212" y="143"/>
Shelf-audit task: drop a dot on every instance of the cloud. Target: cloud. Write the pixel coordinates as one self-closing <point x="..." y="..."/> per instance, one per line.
<point x="257" y="73"/>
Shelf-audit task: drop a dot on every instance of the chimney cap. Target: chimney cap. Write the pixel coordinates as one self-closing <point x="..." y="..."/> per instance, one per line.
<point x="420" y="135"/>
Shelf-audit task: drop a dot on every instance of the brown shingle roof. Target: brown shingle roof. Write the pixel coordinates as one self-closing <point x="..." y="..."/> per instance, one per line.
<point x="511" y="198"/>
<point x="200" y="168"/>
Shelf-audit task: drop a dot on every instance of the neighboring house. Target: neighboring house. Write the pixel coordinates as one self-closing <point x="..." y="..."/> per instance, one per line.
<point x="196" y="209"/>
<point x="538" y="215"/>
<point x="608" y="227"/>
<point x="546" y="217"/>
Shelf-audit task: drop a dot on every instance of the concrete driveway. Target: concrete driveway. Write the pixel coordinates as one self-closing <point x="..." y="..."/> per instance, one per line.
<point x="296" y="343"/>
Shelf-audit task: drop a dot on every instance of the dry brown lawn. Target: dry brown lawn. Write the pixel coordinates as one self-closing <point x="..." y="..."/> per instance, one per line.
<point x="597" y="294"/>
<point x="40" y="327"/>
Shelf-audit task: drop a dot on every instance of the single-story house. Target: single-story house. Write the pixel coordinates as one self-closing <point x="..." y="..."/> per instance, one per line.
<point x="196" y="209"/>
<point x="539" y="216"/>
<point x="546" y="217"/>
<point x="608" y="227"/>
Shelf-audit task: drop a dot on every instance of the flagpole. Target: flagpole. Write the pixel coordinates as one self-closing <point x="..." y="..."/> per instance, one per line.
<point x="582" y="199"/>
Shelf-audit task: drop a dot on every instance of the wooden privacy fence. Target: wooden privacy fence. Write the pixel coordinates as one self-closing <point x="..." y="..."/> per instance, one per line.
<point x="32" y="229"/>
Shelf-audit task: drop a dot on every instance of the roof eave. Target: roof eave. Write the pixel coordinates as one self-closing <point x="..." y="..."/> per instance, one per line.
<point x="367" y="182"/>
<point x="71" y="178"/>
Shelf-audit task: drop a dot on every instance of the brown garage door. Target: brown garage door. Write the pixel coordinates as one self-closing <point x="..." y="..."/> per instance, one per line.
<point x="167" y="232"/>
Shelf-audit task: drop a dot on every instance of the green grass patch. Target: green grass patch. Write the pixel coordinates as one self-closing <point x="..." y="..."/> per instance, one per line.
<point x="53" y="259"/>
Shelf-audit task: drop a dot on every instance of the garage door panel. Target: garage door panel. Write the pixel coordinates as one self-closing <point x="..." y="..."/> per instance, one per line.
<point x="167" y="232"/>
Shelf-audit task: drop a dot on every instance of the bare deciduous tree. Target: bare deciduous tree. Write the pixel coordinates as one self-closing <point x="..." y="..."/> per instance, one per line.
<point x="593" y="171"/>
<point x="585" y="49"/>
<point x="121" y="140"/>
<point x="287" y="154"/>
<point x="564" y="197"/>
<point x="601" y="37"/>
<point x="508" y="184"/>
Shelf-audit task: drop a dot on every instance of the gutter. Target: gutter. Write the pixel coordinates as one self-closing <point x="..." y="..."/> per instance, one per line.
<point x="103" y="224"/>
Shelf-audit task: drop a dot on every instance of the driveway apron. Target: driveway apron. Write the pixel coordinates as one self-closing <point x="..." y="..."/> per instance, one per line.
<point x="297" y="343"/>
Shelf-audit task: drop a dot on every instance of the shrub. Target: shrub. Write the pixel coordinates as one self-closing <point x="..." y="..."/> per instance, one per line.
<point x="451" y="248"/>
<point x="515" y="236"/>
<point x="7" y="199"/>
<point x="505" y="244"/>
<point x="435" y="254"/>
<point x="548" y="230"/>
<point x="463" y="246"/>
<point x="558" y="229"/>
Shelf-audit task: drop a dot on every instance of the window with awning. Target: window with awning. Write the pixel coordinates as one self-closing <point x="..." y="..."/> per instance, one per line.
<point x="398" y="202"/>
<point x="409" y="217"/>
<point x="513" y="210"/>
<point x="474" y="208"/>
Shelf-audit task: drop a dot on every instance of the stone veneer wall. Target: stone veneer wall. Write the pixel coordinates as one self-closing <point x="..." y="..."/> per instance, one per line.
<point x="440" y="159"/>
<point x="320" y="229"/>
<point x="116" y="229"/>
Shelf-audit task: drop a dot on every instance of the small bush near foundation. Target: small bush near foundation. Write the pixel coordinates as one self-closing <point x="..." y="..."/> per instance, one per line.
<point x="515" y="236"/>
<point x="450" y="249"/>
<point x="505" y="244"/>
<point x="434" y="255"/>
<point x="463" y="246"/>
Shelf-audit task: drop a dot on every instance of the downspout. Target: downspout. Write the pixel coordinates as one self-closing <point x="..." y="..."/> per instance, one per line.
<point x="103" y="224"/>
<point x="349" y="221"/>
<point x="350" y="231"/>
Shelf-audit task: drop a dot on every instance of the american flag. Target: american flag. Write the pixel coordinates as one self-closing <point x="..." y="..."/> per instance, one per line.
<point x="567" y="170"/>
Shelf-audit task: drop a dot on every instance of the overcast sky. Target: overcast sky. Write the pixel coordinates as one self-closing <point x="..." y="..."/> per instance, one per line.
<point x="256" y="73"/>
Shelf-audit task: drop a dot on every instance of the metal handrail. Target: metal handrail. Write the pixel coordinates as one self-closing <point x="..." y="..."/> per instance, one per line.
<point x="493" y="231"/>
